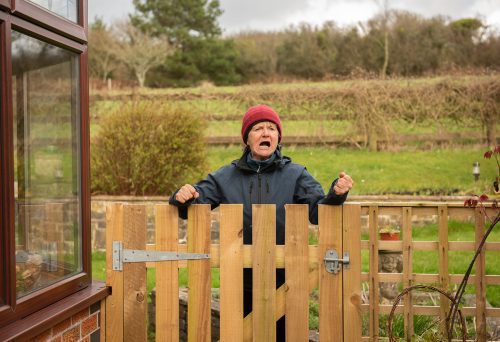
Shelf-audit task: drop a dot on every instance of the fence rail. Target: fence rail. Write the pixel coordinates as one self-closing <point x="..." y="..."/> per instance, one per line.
<point x="339" y="295"/>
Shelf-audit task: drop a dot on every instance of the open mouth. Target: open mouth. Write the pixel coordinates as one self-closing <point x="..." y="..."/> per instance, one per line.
<point x="265" y="143"/>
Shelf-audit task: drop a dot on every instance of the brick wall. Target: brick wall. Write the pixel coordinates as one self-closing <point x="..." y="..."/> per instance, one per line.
<point x="83" y="326"/>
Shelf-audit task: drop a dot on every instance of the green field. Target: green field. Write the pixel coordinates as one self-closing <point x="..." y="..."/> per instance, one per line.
<point x="436" y="172"/>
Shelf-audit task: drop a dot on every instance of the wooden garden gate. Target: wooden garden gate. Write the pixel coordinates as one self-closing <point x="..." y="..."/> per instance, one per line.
<point x="305" y="265"/>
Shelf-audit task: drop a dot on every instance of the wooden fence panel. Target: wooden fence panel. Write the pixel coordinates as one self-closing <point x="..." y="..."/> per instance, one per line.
<point x="231" y="272"/>
<point x="264" y="274"/>
<point x="167" y="274"/>
<point x="351" y="235"/>
<point x="114" y="302"/>
<point x="296" y="269"/>
<point x="407" y="272"/>
<point x="444" y="277"/>
<point x="134" y="283"/>
<point x="199" y="287"/>
<point x="481" y="335"/>
<point x="374" y="277"/>
<point x="330" y="286"/>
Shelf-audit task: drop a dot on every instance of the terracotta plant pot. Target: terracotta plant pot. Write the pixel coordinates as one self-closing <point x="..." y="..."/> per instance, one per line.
<point x="389" y="236"/>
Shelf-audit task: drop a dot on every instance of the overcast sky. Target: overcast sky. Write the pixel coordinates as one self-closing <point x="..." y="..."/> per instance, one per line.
<point x="277" y="14"/>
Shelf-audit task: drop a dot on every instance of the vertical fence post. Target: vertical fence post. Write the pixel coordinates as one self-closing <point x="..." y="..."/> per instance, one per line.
<point x="296" y="270"/>
<point x="231" y="272"/>
<point x="331" y="311"/>
<point x="114" y="279"/>
<point x="351" y="235"/>
<point x="199" y="287"/>
<point x="480" y="276"/>
<point x="407" y="272"/>
<point x="444" y="277"/>
<point x="134" y="280"/>
<point x="374" y="277"/>
<point x="167" y="274"/>
<point x="264" y="272"/>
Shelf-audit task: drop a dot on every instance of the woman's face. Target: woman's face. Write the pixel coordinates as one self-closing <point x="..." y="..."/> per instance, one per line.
<point x="262" y="140"/>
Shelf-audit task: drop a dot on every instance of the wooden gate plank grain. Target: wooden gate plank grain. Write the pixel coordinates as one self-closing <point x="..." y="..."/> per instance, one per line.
<point x="231" y="272"/>
<point x="351" y="235"/>
<point x="114" y="302"/>
<point x="134" y="278"/>
<point x="167" y="274"/>
<point x="199" y="292"/>
<point x="296" y="270"/>
<point x="264" y="272"/>
<point x="330" y="286"/>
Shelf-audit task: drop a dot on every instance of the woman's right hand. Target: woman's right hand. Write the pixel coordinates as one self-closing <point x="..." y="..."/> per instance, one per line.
<point x="186" y="193"/>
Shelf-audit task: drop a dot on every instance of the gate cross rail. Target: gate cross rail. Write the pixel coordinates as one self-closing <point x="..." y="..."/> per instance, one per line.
<point x="121" y="256"/>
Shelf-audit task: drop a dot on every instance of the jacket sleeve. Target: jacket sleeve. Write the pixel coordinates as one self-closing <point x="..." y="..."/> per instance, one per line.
<point x="309" y="191"/>
<point x="209" y="194"/>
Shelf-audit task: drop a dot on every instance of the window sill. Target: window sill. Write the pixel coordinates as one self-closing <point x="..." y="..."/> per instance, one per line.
<point x="40" y="321"/>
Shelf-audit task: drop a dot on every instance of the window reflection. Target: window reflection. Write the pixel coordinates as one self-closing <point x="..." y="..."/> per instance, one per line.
<point x="65" y="8"/>
<point x="46" y="161"/>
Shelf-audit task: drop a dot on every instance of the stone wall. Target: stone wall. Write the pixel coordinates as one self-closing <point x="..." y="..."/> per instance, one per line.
<point x="100" y="203"/>
<point x="98" y="219"/>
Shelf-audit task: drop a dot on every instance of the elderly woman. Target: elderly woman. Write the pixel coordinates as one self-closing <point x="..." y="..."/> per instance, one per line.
<point x="262" y="176"/>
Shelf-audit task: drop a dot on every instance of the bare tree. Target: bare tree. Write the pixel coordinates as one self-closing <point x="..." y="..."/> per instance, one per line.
<point x="139" y="50"/>
<point x="384" y="5"/>
<point x="102" y="50"/>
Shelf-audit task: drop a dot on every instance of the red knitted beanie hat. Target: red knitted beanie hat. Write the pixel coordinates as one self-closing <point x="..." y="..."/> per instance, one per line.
<point x="257" y="114"/>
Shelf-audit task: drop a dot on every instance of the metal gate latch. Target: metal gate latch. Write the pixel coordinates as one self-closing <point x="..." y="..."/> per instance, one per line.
<point x="332" y="261"/>
<point x="121" y="256"/>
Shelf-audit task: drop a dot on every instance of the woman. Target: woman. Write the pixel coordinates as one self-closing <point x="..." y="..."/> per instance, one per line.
<point x="262" y="176"/>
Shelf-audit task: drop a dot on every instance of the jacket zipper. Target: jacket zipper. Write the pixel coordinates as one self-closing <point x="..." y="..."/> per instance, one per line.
<point x="260" y="188"/>
<point x="260" y="185"/>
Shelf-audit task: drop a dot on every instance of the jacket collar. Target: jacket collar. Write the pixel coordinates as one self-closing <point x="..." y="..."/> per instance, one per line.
<point x="279" y="162"/>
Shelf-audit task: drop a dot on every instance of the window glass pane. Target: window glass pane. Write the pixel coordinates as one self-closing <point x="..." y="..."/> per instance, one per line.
<point x="65" y="8"/>
<point x="46" y="161"/>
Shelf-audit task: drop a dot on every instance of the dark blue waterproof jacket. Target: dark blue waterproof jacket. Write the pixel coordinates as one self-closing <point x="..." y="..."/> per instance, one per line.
<point x="282" y="182"/>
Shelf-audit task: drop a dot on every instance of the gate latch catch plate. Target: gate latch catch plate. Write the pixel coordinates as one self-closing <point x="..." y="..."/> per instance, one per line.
<point x="333" y="263"/>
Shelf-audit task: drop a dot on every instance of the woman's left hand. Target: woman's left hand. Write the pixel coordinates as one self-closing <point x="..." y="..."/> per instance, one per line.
<point x="344" y="184"/>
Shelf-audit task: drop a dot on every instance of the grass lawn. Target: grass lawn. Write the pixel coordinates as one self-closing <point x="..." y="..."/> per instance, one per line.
<point x="440" y="171"/>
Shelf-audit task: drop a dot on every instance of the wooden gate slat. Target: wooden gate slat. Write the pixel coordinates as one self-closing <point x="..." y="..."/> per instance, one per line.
<point x="264" y="272"/>
<point x="351" y="236"/>
<point x="199" y="292"/>
<point x="231" y="272"/>
<point x="296" y="269"/>
<point x="374" y="277"/>
<point x="134" y="280"/>
<point x="407" y="272"/>
<point x="114" y="302"/>
<point x="167" y="274"/>
<point x="330" y="286"/>
<point x="481" y="334"/>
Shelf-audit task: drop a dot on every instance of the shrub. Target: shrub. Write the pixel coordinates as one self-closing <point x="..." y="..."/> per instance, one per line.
<point x="147" y="148"/>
